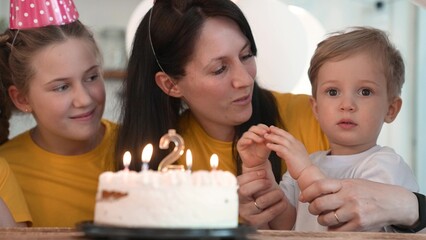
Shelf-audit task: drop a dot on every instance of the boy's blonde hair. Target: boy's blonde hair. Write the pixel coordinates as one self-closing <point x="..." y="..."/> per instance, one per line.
<point x="375" y="42"/>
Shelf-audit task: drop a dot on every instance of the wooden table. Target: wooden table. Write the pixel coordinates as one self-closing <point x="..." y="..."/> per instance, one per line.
<point x="291" y="235"/>
<point x="74" y="234"/>
<point x="40" y="233"/>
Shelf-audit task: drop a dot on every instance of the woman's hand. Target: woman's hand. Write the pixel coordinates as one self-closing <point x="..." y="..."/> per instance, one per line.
<point x="360" y="205"/>
<point x="262" y="201"/>
<point x="260" y="198"/>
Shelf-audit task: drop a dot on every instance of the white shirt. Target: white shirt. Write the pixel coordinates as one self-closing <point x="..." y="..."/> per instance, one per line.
<point x="379" y="164"/>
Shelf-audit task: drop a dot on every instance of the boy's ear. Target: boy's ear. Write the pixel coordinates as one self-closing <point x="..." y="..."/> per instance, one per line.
<point x="165" y="82"/>
<point x="20" y="100"/>
<point x="393" y="110"/>
<point x="314" y="106"/>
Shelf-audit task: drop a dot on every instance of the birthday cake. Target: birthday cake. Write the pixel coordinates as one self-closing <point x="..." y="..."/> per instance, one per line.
<point x="171" y="199"/>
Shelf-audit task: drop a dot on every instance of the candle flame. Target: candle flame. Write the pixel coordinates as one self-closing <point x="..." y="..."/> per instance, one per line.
<point x="127" y="158"/>
<point x="188" y="159"/>
<point x="214" y="161"/>
<point x="147" y="153"/>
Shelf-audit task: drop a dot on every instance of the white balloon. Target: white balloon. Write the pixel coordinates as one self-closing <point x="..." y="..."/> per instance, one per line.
<point x="134" y="22"/>
<point x="315" y="34"/>
<point x="281" y="43"/>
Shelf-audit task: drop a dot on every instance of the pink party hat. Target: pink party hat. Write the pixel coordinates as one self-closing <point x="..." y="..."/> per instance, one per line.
<point x="39" y="13"/>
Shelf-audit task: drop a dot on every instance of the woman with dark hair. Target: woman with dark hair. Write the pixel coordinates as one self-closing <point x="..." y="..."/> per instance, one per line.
<point x="210" y="104"/>
<point x="192" y="68"/>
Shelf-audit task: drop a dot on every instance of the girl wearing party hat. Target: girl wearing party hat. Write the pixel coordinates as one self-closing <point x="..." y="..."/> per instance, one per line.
<point x="51" y="67"/>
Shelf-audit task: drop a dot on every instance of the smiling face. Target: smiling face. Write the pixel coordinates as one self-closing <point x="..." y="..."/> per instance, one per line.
<point x="352" y="103"/>
<point x="66" y="94"/>
<point x="219" y="79"/>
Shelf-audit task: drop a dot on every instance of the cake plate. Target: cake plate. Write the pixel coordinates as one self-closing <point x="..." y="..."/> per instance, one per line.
<point x="97" y="231"/>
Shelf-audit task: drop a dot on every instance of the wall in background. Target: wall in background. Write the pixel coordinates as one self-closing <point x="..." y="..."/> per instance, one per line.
<point x="420" y="105"/>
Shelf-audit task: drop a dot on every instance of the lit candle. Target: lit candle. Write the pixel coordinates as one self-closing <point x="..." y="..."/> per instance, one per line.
<point x="146" y="156"/>
<point x="127" y="158"/>
<point x="188" y="160"/>
<point x="214" y="161"/>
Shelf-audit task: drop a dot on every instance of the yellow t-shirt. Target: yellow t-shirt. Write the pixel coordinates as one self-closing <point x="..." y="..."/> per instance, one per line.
<point x="60" y="190"/>
<point x="295" y="113"/>
<point x="12" y="194"/>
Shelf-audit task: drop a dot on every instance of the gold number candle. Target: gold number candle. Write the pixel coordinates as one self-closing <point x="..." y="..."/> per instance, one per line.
<point x="178" y="150"/>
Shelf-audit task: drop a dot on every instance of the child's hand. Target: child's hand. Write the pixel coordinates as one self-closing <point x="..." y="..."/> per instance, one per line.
<point x="288" y="148"/>
<point x="295" y="155"/>
<point x="252" y="148"/>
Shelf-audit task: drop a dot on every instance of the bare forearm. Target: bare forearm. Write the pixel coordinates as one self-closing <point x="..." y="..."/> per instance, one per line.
<point x="308" y="176"/>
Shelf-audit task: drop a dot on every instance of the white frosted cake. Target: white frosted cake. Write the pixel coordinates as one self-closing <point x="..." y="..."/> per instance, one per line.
<point x="172" y="199"/>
